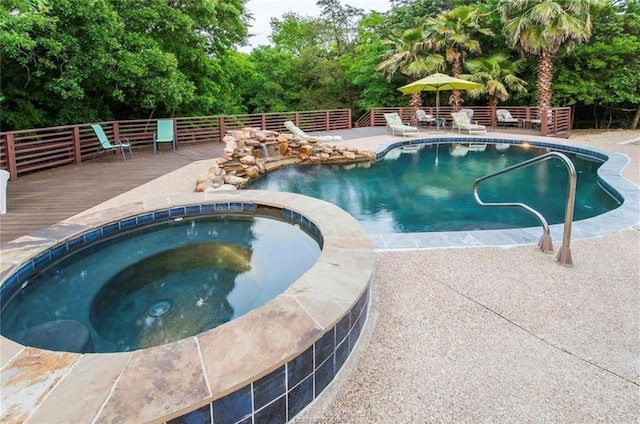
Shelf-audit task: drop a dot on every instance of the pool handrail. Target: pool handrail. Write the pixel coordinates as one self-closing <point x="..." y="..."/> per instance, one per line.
<point x="545" y="244"/>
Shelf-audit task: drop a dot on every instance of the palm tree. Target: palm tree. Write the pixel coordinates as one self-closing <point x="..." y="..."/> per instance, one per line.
<point x="406" y="55"/>
<point x="497" y="74"/>
<point x="454" y="32"/>
<point x="543" y="28"/>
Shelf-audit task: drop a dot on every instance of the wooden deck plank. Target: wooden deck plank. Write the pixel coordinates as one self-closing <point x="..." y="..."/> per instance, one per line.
<point x="44" y="198"/>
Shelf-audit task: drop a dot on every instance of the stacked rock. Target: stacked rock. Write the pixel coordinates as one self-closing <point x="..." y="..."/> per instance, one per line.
<point x="250" y="152"/>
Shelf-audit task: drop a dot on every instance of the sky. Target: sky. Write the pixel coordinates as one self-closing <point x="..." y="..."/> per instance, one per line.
<point x="264" y="10"/>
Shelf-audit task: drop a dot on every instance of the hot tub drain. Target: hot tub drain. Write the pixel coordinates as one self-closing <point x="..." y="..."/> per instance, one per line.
<point x="159" y="308"/>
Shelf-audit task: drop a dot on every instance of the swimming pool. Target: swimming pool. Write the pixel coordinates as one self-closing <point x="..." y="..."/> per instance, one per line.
<point x="428" y="188"/>
<point x="265" y="365"/>
<point x="609" y="177"/>
<point x="158" y="282"/>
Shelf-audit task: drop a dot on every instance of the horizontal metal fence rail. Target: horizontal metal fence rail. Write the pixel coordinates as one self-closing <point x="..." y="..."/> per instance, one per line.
<point x="555" y="123"/>
<point x="38" y="149"/>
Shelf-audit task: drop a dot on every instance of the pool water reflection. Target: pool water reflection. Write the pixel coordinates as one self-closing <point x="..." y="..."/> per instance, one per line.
<point x="428" y="188"/>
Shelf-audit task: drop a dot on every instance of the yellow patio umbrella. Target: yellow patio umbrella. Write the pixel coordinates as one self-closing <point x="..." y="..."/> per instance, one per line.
<point x="438" y="82"/>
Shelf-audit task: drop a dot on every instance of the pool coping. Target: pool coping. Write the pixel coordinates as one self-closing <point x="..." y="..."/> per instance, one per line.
<point x="221" y="371"/>
<point x="626" y="216"/>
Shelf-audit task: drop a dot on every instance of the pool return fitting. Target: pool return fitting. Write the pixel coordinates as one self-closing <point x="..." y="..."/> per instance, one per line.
<point x="545" y="244"/>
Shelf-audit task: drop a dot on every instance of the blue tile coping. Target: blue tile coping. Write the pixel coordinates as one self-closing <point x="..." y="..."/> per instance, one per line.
<point x="609" y="175"/>
<point x="265" y="366"/>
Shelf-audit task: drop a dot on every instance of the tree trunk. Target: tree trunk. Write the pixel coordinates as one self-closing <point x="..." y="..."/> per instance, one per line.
<point x="545" y="79"/>
<point x="416" y="103"/>
<point x="636" y="119"/>
<point x="455" y="99"/>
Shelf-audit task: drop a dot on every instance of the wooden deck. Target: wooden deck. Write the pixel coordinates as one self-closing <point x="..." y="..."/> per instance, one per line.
<point x="44" y="198"/>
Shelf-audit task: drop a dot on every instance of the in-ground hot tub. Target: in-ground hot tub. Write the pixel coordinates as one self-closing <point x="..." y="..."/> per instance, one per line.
<point x="267" y="364"/>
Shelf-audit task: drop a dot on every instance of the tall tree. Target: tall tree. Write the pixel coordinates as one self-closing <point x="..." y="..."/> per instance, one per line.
<point x="342" y="21"/>
<point x="406" y="54"/>
<point x="602" y="78"/>
<point x="546" y="28"/>
<point x="455" y="32"/>
<point x="497" y="75"/>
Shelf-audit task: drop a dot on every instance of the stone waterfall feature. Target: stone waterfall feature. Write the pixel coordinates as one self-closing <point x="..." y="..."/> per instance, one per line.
<point x="250" y="152"/>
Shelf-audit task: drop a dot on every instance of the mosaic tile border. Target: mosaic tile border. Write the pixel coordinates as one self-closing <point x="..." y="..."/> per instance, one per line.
<point x="282" y="394"/>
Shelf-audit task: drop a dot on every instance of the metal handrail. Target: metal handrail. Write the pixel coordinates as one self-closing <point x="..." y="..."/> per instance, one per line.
<point x="545" y="244"/>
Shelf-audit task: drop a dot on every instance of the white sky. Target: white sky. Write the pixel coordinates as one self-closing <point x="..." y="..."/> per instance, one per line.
<point x="264" y="10"/>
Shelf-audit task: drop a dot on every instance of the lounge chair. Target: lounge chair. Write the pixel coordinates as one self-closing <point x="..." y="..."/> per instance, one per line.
<point x="538" y="121"/>
<point x="424" y="118"/>
<point x="461" y="121"/>
<point x="298" y="133"/>
<point x="394" y="123"/>
<point x="106" y="145"/>
<point x="469" y="113"/>
<point x="505" y="118"/>
<point x="164" y="134"/>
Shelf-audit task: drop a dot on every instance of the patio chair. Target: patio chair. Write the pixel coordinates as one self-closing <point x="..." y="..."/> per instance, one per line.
<point x="504" y="118"/>
<point x="538" y="121"/>
<point x="164" y="134"/>
<point x="394" y="123"/>
<point x="106" y="145"/>
<point x="298" y="133"/>
<point x="423" y="117"/>
<point x="469" y="113"/>
<point x="461" y="121"/>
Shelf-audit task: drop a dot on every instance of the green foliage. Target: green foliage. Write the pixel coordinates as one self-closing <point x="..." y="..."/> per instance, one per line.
<point x="374" y="89"/>
<point x="497" y="75"/>
<point x="606" y="72"/>
<point x="276" y="85"/>
<point x="69" y="61"/>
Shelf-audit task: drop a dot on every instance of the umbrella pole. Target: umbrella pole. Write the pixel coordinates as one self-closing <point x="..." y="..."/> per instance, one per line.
<point x="438" y="109"/>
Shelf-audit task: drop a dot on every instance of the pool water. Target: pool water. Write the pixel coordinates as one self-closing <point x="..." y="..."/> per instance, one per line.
<point x="163" y="282"/>
<point x="430" y="189"/>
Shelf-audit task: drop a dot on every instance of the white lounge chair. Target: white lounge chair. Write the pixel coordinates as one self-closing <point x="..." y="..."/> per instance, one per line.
<point x="424" y="118"/>
<point x="505" y="118"/>
<point x="461" y="121"/>
<point x="469" y="113"/>
<point x="298" y="133"/>
<point x="394" y="123"/>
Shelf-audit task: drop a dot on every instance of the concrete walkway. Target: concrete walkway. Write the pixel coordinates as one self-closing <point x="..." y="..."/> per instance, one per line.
<point x="500" y="335"/>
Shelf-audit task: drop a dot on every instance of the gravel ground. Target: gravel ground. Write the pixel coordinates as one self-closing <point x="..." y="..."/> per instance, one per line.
<point x="492" y="335"/>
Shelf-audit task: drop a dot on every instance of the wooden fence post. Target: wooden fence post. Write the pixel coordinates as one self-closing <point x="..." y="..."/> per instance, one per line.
<point x="544" y="122"/>
<point x="11" y="157"/>
<point x="77" y="151"/>
<point x="116" y="130"/>
<point x="222" y="128"/>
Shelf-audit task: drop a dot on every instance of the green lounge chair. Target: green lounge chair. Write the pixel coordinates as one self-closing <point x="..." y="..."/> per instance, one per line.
<point x="107" y="145"/>
<point x="394" y="123"/>
<point x="461" y="121"/>
<point x="164" y="134"/>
